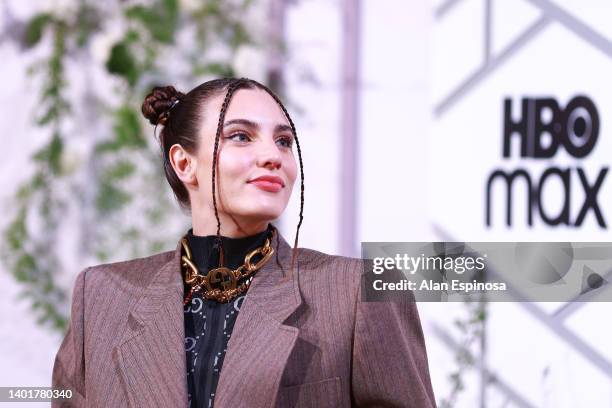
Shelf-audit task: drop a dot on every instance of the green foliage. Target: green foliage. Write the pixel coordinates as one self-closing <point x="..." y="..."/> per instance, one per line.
<point x="160" y="20"/>
<point x="34" y="30"/>
<point x="127" y="131"/>
<point x="120" y="170"/>
<point x="471" y="332"/>
<point x="214" y="68"/>
<point x="123" y="157"/>
<point x="51" y="154"/>
<point x="122" y="63"/>
<point x="37" y="278"/>
<point x="16" y="233"/>
<point x="53" y="103"/>
<point x="111" y="198"/>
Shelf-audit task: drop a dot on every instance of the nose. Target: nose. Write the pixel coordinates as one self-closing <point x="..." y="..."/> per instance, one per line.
<point x="269" y="156"/>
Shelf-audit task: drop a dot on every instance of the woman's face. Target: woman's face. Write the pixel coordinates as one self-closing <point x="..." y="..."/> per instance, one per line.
<point x="256" y="166"/>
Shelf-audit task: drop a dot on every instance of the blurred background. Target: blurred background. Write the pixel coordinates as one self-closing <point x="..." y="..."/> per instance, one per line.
<point x="403" y="109"/>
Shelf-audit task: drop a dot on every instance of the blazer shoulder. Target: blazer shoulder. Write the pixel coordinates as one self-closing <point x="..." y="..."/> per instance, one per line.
<point x="324" y="277"/>
<point x="314" y="260"/>
<point x="134" y="268"/>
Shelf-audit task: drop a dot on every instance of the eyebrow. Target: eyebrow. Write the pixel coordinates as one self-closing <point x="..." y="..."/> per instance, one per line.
<point x="253" y="125"/>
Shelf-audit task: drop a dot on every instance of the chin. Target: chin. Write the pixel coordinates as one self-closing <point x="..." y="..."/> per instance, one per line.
<point x="263" y="212"/>
<point x="266" y="213"/>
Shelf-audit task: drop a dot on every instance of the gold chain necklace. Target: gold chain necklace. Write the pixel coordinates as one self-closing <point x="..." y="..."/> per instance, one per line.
<point x="221" y="284"/>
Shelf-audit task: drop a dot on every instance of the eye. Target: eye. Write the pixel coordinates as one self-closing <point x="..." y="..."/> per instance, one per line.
<point x="239" y="137"/>
<point x="285" y="141"/>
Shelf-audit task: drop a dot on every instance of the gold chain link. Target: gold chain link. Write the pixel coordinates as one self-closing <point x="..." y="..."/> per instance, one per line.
<point x="221" y="284"/>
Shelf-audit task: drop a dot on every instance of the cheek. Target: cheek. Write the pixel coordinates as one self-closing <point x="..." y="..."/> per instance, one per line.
<point x="204" y="173"/>
<point x="234" y="167"/>
<point x="292" y="169"/>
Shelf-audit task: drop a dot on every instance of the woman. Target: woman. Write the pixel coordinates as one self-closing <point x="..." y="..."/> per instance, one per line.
<point x="234" y="316"/>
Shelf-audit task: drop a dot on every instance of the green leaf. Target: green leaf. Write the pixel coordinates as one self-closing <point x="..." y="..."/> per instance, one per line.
<point x="25" y="267"/>
<point x="121" y="62"/>
<point x="131" y="234"/>
<point x="239" y="36"/>
<point x="127" y="128"/>
<point x="108" y="146"/>
<point x="220" y="69"/>
<point x="156" y="246"/>
<point x="160" y="20"/>
<point x="48" y="287"/>
<point x="17" y="233"/>
<point x="39" y="180"/>
<point x="51" y="153"/>
<point x="110" y="198"/>
<point x="119" y="171"/>
<point x="102" y="255"/>
<point x="211" y="9"/>
<point x="35" y="27"/>
<point x="60" y="323"/>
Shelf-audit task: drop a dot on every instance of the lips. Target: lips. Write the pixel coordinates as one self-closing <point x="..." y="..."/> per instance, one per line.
<point x="268" y="183"/>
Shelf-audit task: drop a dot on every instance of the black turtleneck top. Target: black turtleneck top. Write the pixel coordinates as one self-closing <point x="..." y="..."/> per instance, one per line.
<point x="208" y="323"/>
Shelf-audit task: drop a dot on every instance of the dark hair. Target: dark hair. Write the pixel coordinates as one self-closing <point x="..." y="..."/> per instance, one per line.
<point x="181" y="115"/>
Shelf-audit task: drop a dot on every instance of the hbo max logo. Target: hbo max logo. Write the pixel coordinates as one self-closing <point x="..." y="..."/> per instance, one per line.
<point x="540" y="129"/>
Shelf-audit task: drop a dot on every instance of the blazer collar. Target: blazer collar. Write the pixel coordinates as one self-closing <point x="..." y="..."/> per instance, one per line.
<point x="156" y="323"/>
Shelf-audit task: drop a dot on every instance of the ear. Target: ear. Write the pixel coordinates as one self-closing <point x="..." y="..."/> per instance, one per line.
<point x="184" y="165"/>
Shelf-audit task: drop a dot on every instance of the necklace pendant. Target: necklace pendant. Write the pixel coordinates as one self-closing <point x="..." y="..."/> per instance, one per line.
<point x="222" y="278"/>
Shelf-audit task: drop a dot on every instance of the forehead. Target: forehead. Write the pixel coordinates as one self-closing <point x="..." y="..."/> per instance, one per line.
<point x="253" y="104"/>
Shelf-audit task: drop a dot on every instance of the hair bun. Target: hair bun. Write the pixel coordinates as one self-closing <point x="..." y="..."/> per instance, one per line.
<point x="158" y="102"/>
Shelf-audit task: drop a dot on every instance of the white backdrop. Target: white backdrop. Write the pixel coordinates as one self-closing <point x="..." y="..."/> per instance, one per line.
<point x="484" y="52"/>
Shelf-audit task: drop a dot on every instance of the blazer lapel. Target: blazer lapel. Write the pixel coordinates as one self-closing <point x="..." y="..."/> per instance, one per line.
<point x="260" y="343"/>
<point x="150" y="354"/>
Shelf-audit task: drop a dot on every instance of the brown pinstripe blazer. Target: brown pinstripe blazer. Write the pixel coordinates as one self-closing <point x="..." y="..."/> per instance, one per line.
<point x="301" y="340"/>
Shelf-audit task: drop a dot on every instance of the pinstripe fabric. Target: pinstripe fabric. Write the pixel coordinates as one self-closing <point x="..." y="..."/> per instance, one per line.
<point x="301" y="340"/>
